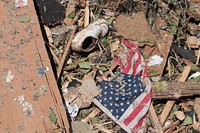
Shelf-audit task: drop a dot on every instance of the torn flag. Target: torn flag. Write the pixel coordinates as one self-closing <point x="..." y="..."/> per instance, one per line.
<point x="126" y="98"/>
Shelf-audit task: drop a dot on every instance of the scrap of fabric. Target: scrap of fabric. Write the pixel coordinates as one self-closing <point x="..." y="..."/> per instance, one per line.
<point x="127" y="97"/>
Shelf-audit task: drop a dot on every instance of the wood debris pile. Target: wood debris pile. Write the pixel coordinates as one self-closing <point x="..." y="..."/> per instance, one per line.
<point x="168" y="36"/>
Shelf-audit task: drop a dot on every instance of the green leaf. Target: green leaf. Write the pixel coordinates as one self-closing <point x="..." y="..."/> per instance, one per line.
<point x="197" y="79"/>
<point x="84" y="65"/>
<point x="110" y="20"/>
<point x="103" y="68"/>
<point x="187" y="121"/>
<point x="86" y="112"/>
<point x="195" y="68"/>
<point x="105" y="40"/>
<point x="144" y="55"/>
<point x="152" y="72"/>
<point x="24" y="19"/>
<point x="160" y="85"/>
<point x="72" y="14"/>
<point x="172" y="29"/>
<point x="43" y="88"/>
<point x="83" y="59"/>
<point x="52" y="116"/>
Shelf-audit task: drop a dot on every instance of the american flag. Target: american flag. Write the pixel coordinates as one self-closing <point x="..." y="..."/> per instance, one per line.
<point x="126" y="98"/>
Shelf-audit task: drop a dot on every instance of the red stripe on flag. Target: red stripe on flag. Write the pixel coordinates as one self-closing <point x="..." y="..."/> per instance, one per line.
<point x="139" y="124"/>
<point x="128" y="44"/>
<point x="138" y="62"/>
<point x="128" y="66"/>
<point x="137" y="110"/>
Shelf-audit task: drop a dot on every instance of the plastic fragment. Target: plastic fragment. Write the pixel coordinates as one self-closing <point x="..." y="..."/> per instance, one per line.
<point x="155" y="60"/>
<point x="20" y="3"/>
<point x="41" y="71"/>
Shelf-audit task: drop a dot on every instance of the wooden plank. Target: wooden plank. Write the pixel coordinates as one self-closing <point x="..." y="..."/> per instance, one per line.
<point x="87" y="14"/>
<point x="166" y="111"/>
<point x="174" y="90"/>
<point x="28" y="98"/>
<point x="185" y="74"/>
<point x="154" y="119"/>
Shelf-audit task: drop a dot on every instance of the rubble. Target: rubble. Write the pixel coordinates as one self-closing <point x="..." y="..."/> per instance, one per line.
<point x="155" y="48"/>
<point x="95" y="46"/>
<point x="131" y="52"/>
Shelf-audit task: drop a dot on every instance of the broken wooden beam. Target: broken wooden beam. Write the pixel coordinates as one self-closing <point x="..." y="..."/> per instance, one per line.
<point x="174" y="90"/>
<point x="66" y="52"/>
<point x="185" y="74"/>
<point x="154" y="119"/>
<point x="166" y="111"/>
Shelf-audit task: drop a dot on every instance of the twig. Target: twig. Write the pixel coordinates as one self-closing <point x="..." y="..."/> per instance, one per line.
<point x="154" y="119"/>
<point x="103" y="129"/>
<point x="167" y="109"/>
<point x="54" y="56"/>
<point x="87" y="14"/>
<point x="101" y="51"/>
<point x="92" y="15"/>
<point x="113" y="66"/>
<point x="178" y="130"/>
<point x="50" y="42"/>
<point x="76" y="17"/>
<point x="169" y="68"/>
<point x="95" y="112"/>
<point x="62" y="62"/>
<point x="104" y="78"/>
<point x="198" y="56"/>
<point x="111" y="69"/>
<point x="172" y="127"/>
<point x="49" y="36"/>
<point x="105" y="123"/>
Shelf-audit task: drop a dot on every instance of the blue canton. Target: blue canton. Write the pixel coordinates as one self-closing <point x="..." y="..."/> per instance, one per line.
<point x="118" y="94"/>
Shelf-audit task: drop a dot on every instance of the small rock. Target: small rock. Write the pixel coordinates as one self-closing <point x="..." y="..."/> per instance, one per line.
<point x="193" y="42"/>
<point x="9" y="77"/>
<point x="167" y="123"/>
<point x="190" y="104"/>
<point x="41" y="71"/>
<point x="179" y="115"/>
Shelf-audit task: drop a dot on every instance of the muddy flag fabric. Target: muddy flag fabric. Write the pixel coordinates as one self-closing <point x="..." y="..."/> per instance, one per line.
<point x="126" y="98"/>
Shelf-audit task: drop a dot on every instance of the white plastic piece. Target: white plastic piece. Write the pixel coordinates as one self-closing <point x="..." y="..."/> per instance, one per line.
<point x="72" y="109"/>
<point x="194" y="75"/>
<point x="155" y="60"/>
<point x="20" y="3"/>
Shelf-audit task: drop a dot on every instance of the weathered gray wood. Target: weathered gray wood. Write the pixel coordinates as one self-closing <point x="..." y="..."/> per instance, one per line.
<point x="176" y="90"/>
